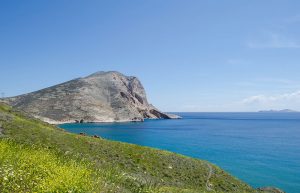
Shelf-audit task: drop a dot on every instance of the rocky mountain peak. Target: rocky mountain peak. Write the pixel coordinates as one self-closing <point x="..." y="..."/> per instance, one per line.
<point x="99" y="97"/>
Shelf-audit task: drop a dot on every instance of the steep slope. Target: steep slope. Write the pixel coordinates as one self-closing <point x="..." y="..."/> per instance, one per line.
<point x="110" y="166"/>
<point x="100" y="97"/>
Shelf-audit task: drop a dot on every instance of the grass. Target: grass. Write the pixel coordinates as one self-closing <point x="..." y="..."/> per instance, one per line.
<point x="58" y="161"/>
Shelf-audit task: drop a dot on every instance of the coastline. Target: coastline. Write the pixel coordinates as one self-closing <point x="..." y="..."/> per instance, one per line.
<point x="54" y="122"/>
<point x="130" y="160"/>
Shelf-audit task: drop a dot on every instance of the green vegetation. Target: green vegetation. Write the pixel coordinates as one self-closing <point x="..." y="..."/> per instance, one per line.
<point x="26" y="168"/>
<point x="38" y="157"/>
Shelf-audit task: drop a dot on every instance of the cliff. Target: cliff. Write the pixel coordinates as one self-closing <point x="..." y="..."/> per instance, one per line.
<point x="100" y="97"/>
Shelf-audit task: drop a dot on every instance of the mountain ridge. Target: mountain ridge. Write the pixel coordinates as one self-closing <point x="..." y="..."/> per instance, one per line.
<point x="99" y="97"/>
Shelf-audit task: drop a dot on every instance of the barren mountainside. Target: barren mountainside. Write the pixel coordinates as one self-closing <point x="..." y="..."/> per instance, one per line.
<point x="100" y="97"/>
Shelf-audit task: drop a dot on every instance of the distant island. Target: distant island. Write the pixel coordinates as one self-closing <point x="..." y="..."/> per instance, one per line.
<point x="278" y="111"/>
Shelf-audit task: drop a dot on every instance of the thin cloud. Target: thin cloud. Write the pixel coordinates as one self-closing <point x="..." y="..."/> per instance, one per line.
<point x="252" y="103"/>
<point x="288" y="99"/>
<point x="274" y="41"/>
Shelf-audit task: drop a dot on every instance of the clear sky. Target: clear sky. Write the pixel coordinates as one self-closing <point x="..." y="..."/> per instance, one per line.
<point x="201" y="55"/>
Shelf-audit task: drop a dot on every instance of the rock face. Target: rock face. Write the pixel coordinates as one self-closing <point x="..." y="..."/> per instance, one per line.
<point x="100" y="97"/>
<point x="270" y="190"/>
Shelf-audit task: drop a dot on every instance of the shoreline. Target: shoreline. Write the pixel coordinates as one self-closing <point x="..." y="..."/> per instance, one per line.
<point x="53" y="122"/>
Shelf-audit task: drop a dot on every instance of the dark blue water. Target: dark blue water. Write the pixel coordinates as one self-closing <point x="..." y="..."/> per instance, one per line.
<point x="262" y="149"/>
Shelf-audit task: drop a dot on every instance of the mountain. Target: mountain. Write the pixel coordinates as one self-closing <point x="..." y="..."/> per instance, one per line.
<point x="100" y="97"/>
<point x="278" y="111"/>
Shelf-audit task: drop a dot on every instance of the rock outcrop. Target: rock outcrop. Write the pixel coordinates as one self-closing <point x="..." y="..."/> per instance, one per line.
<point x="270" y="190"/>
<point x="100" y="97"/>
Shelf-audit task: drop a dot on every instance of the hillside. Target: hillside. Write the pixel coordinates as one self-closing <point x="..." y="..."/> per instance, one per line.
<point x="39" y="157"/>
<point x="100" y="97"/>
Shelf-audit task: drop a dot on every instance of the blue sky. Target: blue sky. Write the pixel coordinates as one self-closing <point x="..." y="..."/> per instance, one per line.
<point x="190" y="55"/>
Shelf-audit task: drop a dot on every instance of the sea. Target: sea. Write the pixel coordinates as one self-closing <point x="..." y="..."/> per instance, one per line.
<point x="261" y="149"/>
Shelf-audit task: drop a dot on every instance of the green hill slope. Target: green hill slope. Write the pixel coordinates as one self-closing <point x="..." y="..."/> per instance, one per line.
<point x="38" y="157"/>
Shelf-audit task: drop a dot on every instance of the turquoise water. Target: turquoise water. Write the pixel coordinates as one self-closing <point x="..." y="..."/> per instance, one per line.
<point x="262" y="149"/>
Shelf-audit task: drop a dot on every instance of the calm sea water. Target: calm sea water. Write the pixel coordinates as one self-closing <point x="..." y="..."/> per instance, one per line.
<point x="262" y="149"/>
